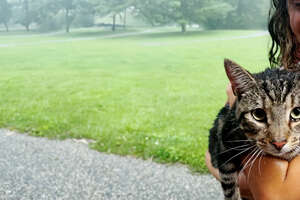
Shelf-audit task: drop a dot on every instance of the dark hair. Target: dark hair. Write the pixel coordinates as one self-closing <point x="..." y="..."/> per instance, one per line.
<point x="283" y="48"/>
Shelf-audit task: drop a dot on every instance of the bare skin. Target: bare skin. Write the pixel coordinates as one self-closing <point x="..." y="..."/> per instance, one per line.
<point x="294" y="14"/>
<point x="269" y="178"/>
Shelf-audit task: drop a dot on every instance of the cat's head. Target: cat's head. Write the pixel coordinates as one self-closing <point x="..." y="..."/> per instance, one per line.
<point x="268" y="108"/>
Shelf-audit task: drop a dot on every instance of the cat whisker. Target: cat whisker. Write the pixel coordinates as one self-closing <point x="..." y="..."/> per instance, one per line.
<point x="247" y="156"/>
<point x="257" y="152"/>
<point x="239" y="141"/>
<point x="261" y="156"/>
<point x="233" y="130"/>
<point x="245" y="166"/>
<point x="235" y="148"/>
<point x="295" y="151"/>
<point x="237" y="155"/>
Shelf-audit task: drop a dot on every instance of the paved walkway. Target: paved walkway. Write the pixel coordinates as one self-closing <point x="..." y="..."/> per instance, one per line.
<point x="39" y="169"/>
<point x="120" y="35"/>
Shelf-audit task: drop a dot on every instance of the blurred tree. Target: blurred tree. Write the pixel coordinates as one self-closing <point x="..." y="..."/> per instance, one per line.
<point x="50" y="15"/>
<point x="248" y="14"/>
<point x="69" y="7"/>
<point x="161" y="12"/>
<point x="28" y="14"/>
<point x="212" y="14"/>
<point x="5" y="13"/>
<point x="46" y="14"/>
<point x="181" y="12"/>
<point x="153" y="12"/>
<point x="113" y="8"/>
<point x="85" y="15"/>
<point x="72" y="8"/>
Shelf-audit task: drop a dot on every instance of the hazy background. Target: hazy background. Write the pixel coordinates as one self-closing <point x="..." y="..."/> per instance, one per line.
<point x="52" y="15"/>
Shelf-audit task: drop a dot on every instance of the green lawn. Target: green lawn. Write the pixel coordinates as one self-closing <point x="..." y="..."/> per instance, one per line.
<point x="152" y="96"/>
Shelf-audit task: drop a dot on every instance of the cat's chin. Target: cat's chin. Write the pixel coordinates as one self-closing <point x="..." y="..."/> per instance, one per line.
<point x="284" y="156"/>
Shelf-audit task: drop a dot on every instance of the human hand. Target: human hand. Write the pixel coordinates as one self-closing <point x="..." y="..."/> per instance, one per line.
<point x="266" y="178"/>
<point x="261" y="176"/>
<point x="271" y="178"/>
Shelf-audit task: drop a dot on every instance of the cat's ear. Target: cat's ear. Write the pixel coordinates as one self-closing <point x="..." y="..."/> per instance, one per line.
<point x="241" y="80"/>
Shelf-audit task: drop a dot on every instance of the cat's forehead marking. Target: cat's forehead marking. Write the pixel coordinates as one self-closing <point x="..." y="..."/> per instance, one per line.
<point x="276" y="85"/>
<point x="296" y="95"/>
<point x="270" y="90"/>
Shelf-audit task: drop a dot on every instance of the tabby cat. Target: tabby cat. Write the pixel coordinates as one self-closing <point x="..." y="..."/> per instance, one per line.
<point x="265" y="119"/>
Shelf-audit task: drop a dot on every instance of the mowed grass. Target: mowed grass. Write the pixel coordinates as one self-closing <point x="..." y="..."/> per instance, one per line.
<point x="153" y="96"/>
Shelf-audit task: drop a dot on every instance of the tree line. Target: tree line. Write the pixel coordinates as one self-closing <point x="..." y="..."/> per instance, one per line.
<point x="212" y="14"/>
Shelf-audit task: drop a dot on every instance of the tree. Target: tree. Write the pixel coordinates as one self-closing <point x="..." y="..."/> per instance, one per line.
<point x="182" y="12"/>
<point x="117" y="7"/>
<point x="71" y="9"/>
<point x="113" y="8"/>
<point x="27" y="11"/>
<point x="5" y="13"/>
<point x="213" y="14"/>
<point x="29" y="14"/>
<point x="152" y="12"/>
<point x="85" y="15"/>
<point x="46" y="12"/>
<point x="69" y="6"/>
<point x="249" y="14"/>
<point x="162" y="12"/>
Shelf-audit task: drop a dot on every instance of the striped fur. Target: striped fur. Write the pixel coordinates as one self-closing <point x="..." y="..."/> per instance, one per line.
<point x="265" y="113"/>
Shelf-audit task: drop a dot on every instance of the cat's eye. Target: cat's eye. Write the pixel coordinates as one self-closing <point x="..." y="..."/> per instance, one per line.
<point x="259" y="114"/>
<point x="295" y="114"/>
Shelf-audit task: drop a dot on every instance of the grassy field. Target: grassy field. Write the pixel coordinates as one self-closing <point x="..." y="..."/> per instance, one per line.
<point x="153" y="95"/>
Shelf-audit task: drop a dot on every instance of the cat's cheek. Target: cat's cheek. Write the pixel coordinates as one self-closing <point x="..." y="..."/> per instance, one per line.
<point x="251" y="136"/>
<point x="296" y="128"/>
<point x="251" y="127"/>
<point x="250" y="121"/>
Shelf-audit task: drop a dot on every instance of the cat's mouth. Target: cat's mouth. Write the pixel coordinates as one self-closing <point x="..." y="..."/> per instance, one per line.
<point x="286" y="154"/>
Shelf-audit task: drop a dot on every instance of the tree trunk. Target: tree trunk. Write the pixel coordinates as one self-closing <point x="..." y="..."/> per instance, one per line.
<point x="113" y="28"/>
<point x="125" y="15"/>
<point x="26" y="8"/>
<point x="27" y="27"/>
<point x="6" y="26"/>
<point x="183" y="27"/>
<point x="67" y="21"/>
<point x="68" y="28"/>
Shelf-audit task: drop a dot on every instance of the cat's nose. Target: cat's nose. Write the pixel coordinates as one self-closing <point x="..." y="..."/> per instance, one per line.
<point x="278" y="145"/>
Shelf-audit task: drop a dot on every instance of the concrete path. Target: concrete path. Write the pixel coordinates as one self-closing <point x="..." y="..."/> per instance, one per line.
<point x="121" y="35"/>
<point x="39" y="169"/>
<point x="113" y="35"/>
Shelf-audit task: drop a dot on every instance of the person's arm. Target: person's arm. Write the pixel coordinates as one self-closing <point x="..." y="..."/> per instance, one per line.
<point x="274" y="179"/>
<point x="267" y="178"/>
<point x="243" y="185"/>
